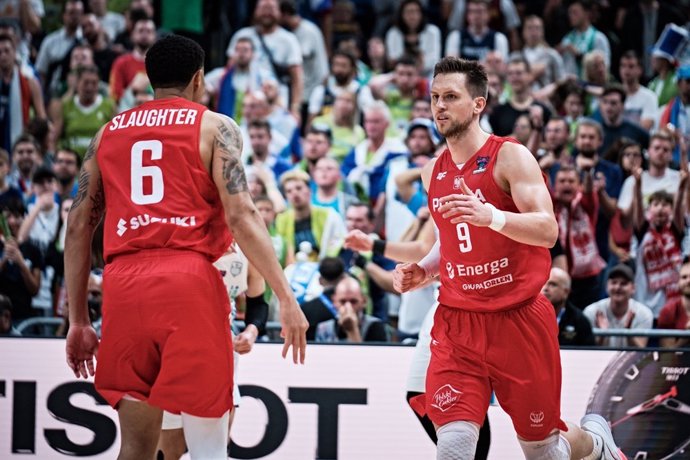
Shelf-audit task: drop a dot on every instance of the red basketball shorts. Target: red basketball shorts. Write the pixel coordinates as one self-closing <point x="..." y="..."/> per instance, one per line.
<point x="515" y="353"/>
<point x="166" y="333"/>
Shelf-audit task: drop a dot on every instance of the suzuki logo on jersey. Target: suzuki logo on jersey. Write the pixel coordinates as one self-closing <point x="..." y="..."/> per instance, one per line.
<point x="436" y="202"/>
<point x="441" y="175"/>
<point x="144" y="220"/>
<point x="445" y="397"/>
<point x="536" y="418"/>
<point x="121" y="227"/>
<point x="482" y="162"/>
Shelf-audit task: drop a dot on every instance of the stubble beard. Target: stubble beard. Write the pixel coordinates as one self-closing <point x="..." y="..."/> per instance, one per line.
<point x="456" y="129"/>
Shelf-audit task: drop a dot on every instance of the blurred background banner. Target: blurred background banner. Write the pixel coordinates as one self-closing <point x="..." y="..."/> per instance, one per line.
<point x="347" y="402"/>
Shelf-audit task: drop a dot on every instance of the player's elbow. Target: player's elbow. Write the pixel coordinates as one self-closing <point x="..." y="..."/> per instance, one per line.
<point x="550" y="233"/>
<point x="240" y="214"/>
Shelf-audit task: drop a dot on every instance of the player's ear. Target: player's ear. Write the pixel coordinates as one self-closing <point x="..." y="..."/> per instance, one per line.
<point x="198" y="79"/>
<point x="479" y="104"/>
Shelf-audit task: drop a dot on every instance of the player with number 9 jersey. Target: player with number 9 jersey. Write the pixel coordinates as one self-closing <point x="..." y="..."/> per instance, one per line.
<point x="481" y="269"/>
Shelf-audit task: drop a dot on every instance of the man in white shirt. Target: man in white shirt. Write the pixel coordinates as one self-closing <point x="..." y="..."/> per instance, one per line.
<point x="276" y="50"/>
<point x="658" y="175"/>
<point x="312" y="43"/>
<point x="619" y="310"/>
<point x="641" y="104"/>
<point x="56" y="45"/>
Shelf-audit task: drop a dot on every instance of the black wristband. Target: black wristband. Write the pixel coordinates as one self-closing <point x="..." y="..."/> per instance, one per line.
<point x="257" y="313"/>
<point x="379" y="247"/>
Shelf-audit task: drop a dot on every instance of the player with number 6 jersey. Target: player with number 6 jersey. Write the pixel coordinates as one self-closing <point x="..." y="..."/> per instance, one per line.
<point x="164" y="197"/>
<point x="169" y="180"/>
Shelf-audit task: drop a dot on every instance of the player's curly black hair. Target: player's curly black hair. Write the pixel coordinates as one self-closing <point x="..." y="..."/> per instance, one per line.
<point x="172" y="61"/>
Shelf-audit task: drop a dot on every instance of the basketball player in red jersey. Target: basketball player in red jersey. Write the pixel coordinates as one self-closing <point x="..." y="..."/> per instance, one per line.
<point x="493" y="329"/>
<point x="168" y="178"/>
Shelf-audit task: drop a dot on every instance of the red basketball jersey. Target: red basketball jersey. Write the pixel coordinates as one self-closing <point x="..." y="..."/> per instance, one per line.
<point x="482" y="270"/>
<point x="158" y="192"/>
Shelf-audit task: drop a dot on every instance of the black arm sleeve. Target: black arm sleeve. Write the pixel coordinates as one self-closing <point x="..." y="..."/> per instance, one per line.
<point x="257" y="313"/>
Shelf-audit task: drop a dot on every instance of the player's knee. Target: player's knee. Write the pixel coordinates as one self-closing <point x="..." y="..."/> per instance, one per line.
<point x="554" y="447"/>
<point x="207" y="438"/>
<point x="457" y="441"/>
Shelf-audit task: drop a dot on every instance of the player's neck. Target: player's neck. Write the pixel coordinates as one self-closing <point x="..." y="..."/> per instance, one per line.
<point x="162" y="93"/>
<point x="464" y="146"/>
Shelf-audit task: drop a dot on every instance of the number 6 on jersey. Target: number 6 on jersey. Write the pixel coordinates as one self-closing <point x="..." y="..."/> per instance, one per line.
<point x="139" y="172"/>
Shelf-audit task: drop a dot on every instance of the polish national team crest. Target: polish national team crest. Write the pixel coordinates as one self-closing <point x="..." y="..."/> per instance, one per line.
<point x="482" y="162"/>
<point x="235" y="268"/>
<point x="456" y="182"/>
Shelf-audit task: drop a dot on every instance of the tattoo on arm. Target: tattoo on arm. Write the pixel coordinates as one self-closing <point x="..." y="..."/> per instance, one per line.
<point x="229" y="143"/>
<point x="98" y="199"/>
<point x="97" y="205"/>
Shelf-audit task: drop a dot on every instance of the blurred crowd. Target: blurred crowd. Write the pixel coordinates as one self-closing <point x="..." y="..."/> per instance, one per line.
<point x="332" y="99"/>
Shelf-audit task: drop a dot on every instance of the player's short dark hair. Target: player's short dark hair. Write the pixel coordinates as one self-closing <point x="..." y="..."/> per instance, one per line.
<point x="172" y="61"/>
<point x="475" y="76"/>
<point x="661" y="196"/>
<point x="331" y="269"/>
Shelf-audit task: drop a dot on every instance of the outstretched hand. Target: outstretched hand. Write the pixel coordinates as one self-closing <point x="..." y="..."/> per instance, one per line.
<point x="357" y="240"/>
<point x="293" y="329"/>
<point x="81" y="349"/>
